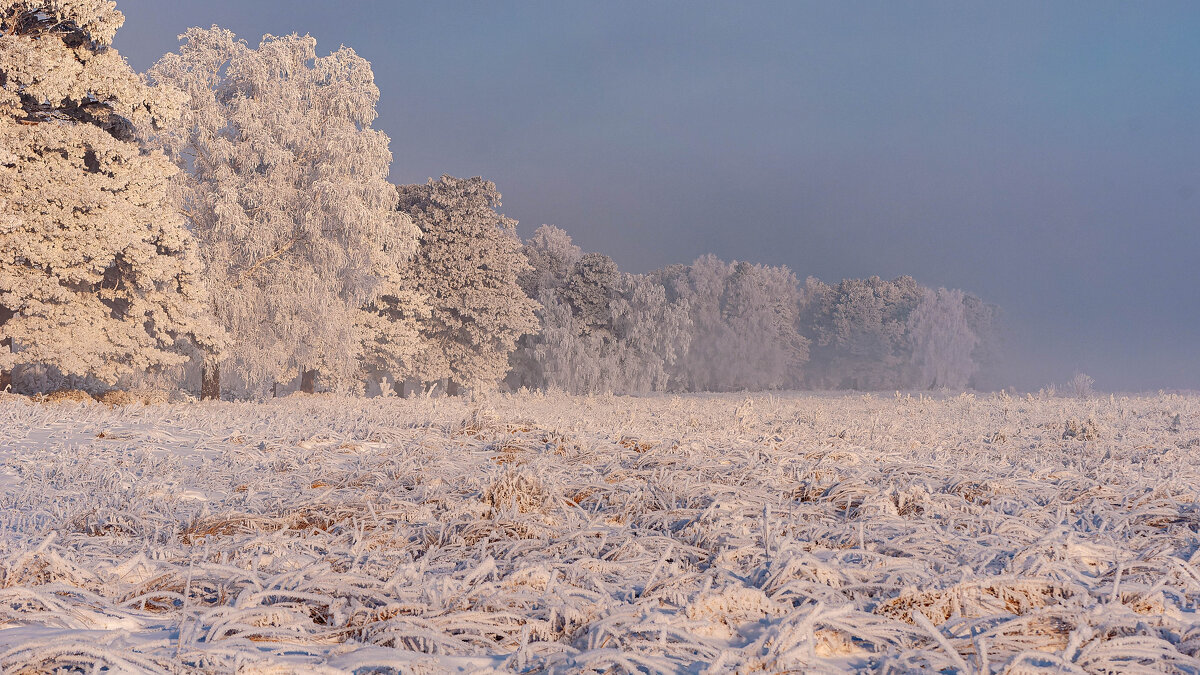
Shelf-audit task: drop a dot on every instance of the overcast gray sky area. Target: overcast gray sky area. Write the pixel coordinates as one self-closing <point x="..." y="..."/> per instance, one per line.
<point x="1045" y="156"/>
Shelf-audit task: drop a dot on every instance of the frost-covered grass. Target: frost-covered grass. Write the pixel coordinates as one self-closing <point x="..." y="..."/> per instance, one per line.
<point x="773" y="533"/>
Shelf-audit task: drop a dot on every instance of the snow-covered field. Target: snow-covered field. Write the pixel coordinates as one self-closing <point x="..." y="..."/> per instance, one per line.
<point x="762" y="533"/>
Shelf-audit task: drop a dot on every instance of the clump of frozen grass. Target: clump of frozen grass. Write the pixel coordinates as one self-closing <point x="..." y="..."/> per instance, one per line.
<point x="1083" y="431"/>
<point x="517" y="489"/>
<point x="65" y="396"/>
<point x="978" y="598"/>
<point x="139" y="396"/>
<point x="724" y="611"/>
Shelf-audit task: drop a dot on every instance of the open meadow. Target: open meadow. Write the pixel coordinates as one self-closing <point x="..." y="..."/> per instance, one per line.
<point x="533" y="533"/>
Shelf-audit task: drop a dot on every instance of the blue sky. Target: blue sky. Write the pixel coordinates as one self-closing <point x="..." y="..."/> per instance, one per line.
<point x="1045" y="156"/>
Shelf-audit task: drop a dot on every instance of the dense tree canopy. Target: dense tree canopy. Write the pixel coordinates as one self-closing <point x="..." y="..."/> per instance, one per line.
<point x="98" y="275"/>
<point x="942" y="341"/>
<point x="288" y="193"/>
<point x="859" y="332"/>
<point x="467" y="265"/>
<point x="744" y="332"/>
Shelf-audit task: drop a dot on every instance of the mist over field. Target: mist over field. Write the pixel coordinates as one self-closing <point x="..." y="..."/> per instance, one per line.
<point x="599" y="338"/>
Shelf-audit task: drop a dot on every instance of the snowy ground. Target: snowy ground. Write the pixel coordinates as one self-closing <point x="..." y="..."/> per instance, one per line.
<point x="769" y="533"/>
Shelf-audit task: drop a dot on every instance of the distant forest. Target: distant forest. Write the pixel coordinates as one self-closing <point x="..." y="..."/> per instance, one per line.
<point x="223" y="224"/>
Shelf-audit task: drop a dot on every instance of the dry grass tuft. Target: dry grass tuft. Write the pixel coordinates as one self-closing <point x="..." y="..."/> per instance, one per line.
<point x="120" y="397"/>
<point x="975" y="599"/>
<point x="65" y="396"/>
<point x="518" y="489"/>
<point x="1082" y="431"/>
<point x="634" y="444"/>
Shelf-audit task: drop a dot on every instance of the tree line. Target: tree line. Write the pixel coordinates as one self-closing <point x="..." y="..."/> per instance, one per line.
<point x="226" y="220"/>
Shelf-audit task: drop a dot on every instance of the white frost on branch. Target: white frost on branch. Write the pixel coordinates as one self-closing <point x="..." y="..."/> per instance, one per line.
<point x="98" y="275"/>
<point x="467" y="268"/>
<point x="288" y="193"/>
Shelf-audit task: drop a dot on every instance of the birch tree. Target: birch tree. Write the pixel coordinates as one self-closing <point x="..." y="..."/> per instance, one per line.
<point x="287" y="191"/>
<point x="98" y="275"/>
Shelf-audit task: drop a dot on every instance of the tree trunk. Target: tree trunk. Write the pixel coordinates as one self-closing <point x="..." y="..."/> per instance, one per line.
<point x="210" y="381"/>
<point x="6" y="375"/>
<point x="308" y="380"/>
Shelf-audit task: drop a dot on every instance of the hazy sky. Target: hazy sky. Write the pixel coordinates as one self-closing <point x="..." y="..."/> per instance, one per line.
<point x="1045" y="156"/>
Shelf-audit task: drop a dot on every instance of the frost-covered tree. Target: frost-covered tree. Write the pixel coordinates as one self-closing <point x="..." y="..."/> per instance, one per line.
<point x="558" y="355"/>
<point x="876" y="334"/>
<point x="628" y="348"/>
<point x="651" y="334"/>
<point x="701" y="286"/>
<point x="859" y="332"/>
<point x="744" y="332"/>
<point x="763" y="346"/>
<point x="390" y="327"/>
<point x="551" y="255"/>
<point x="589" y="290"/>
<point x="942" y="341"/>
<point x="98" y="275"/>
<point x="600" y="330"/>
<point x="287" y="191"/>
<point x="986" y="321"/>
<point x="577" y="355"/>
<point x="577" y="316"/>
<point x="467" y="264"/>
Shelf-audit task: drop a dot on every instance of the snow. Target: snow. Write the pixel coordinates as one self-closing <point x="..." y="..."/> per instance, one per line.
<point x="532" y="533"/>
